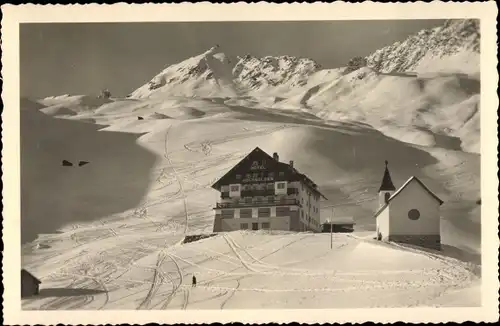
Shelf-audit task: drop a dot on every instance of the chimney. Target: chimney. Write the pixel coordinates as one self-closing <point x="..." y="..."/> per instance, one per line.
<point x="275" y="156"/>
<point x="291" y="164"/>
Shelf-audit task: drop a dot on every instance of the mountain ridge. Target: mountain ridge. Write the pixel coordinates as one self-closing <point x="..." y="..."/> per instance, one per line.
<point x="213" y="73"/>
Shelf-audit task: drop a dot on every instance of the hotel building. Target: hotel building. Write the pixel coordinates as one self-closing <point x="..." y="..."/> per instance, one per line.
<point x="261" y="192"/>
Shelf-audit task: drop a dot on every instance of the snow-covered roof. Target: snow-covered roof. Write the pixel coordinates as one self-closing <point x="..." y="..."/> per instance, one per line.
<point x="403" y="187"/>
<point x="25" y="273"/>
<point x="341" y="220"/>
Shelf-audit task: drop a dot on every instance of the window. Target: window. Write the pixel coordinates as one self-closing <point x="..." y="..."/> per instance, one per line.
<point x="302" y="213"/>
<point x="270" y="199"/>
<point x="227" y="213"/>
<point x="282" y="211"/>
<point x="244" y="226"/>
<point x="235" y="188"/>
<point x="246" y="213"/>
<point x="302" y="200"/>
<point x="413" y="214"/>
<point x="387" y="195"/>
<point x="264" y="212"/>
<point x="255" y="226"/>
<point x="281" y="185"/>
<point x="248" y="200"/>
<point x="265" y="225"/>
<point x="270" y="174"/>
<point x="281" y="174"/>
<point x="238" y="176"/>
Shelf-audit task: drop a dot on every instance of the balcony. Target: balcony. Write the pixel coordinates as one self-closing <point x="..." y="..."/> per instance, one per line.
<point x="254" y="193"/>
<point x="282" y="202"/>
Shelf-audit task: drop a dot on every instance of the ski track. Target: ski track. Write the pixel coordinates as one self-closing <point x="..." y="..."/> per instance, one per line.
<point x="238" y="283"/>
<point x="175" y="288"/>
<point x="178" y="179"/>
<point x="155" y="284"/>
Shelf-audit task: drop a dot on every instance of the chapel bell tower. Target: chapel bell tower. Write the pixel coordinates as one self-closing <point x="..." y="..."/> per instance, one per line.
<point x="387" y="188"/>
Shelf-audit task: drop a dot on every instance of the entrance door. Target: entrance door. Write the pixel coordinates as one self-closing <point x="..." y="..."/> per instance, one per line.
<point x="255" y="226"/>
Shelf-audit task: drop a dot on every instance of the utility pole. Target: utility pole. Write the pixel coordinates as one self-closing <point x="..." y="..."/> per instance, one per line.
<point x="331" y="231"/>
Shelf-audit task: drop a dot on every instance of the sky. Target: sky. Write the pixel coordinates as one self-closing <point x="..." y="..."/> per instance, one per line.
<point x="84" y="58"/>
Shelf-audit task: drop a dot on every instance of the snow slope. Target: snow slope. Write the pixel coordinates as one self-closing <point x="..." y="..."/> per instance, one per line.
<point x="107" y="235"/>
<point x="244" y="270"/>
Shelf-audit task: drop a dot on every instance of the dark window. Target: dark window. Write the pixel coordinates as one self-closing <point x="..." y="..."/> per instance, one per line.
<point x="246" y="213"/>
<point x="265" y="225"/>
<point x="227" y="213"/>
<point x="281" y="174"/>
<point x="413" y="214"/>
<point x="238" y="176"/>
<point x="282" y="211"/>
<point x="387" y="195"/>
<point x="270" y="186"/>
<point x="255" y="226"/>
<point x="244" y="226"/>
<point x="264" y="212"/>
<point x="281" y="185"/>
<point x="270" y="174"/>
<point x="235" y="188"/>
<point x="302" y="213"/>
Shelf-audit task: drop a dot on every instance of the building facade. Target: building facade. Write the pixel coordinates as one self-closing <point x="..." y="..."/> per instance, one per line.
<point x="409" y="215"/>
<point x="261" y="192"/>
<point x="29" y="284"/>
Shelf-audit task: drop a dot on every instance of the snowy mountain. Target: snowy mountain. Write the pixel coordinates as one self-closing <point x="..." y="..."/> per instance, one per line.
<point x="214" y="74"/>
<point x="453" y="47"/>
<point x="207" y="74"/>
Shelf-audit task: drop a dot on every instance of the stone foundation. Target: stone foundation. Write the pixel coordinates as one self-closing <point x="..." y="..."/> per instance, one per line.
<point x="426" y="241"/>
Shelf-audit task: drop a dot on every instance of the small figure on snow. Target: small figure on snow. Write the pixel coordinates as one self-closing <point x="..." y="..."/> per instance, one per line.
<point x="194" y="280"/>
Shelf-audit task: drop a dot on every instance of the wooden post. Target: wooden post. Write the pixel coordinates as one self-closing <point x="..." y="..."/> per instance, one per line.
<point x="331" y="231"/>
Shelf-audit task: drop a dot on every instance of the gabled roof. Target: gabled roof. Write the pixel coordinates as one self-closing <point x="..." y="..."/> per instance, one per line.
<point x="381" y="209"/>
<point x="28" y="274"/>
<point x="255" y="152"/>
<point x="387" y="184"/>
<point x="259" y="152"/>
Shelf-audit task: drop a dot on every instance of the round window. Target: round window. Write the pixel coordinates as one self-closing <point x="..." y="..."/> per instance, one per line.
<point x="413" y="214"/>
